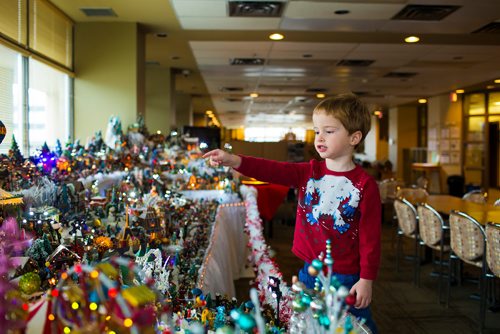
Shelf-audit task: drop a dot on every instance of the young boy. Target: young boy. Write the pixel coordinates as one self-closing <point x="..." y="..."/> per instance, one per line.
<point x="337" y="199"/>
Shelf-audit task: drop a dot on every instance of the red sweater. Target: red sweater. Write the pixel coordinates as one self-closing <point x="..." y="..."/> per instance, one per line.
<point x="341" y="206"/>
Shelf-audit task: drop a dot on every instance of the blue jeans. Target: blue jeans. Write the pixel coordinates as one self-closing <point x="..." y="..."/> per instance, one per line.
<point x="348" y="281"/>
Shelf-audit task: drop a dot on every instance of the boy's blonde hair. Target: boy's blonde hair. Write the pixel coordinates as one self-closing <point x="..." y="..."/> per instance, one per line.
<point x="349" y="110"/>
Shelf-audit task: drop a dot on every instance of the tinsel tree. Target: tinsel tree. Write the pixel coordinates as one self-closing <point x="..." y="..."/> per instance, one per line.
<point x="38" y="251"/>
<point x="58" y="148"/>
<point x="15" y="152"/>
<point x="13" y="309"/>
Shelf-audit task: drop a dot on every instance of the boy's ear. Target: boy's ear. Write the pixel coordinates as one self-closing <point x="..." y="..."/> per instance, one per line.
<point x="356" y="138"/>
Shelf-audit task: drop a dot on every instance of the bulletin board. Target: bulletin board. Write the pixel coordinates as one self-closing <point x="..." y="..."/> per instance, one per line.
<point x="449" y="145"/>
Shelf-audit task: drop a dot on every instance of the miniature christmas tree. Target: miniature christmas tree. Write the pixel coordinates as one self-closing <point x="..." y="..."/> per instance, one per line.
<point x="58" y="148"/>
<point x="15" y="152"/>
<point x="45" y="148"/>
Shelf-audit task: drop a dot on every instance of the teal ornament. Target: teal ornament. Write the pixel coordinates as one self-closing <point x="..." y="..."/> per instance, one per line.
<point x="348" y="327"/>
<point x="306" y="299"/>
<point x="335" y="282"/>
<point x="298" y="306"/>
<point x="3" y="131"/>
<point x="324" y="321"/>
<point x="246" y="322"/>
<point x="317" y="264"/>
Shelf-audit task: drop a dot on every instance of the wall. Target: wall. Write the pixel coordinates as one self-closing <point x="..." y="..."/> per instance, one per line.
<point x="183" y="110"/>
<point x="158" y="114"/>
<point x="269" y="150"/>
<point x="442" y="113"/>
<point x="402" y="135"/>
<point x="106" y="83"/>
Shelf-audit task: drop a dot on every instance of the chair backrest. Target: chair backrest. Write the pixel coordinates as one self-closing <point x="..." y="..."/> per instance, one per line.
<point x="387" y="189"/>
<point x="493" y="248"/>
<point x="422" y="182"/>
<point x="467" y="237"/>
<point x="430" y="225"/>
<point x="407" y="216"/>
<point x="414" y="195"/>
<point x="476" y="196"/>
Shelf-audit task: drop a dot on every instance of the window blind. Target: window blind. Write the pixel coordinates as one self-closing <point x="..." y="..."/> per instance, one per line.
<point x="13" y="16"/>
<point x="50" y="32"/>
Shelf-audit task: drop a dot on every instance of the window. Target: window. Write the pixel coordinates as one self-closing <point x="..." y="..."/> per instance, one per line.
<point x="262" y="134"/>
<point x="48" y="105"/>
<point x="11" y="97"/>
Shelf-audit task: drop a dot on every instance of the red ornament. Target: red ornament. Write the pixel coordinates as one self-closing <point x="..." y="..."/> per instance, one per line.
<point x="112" y="292"/>
<point x="350" y="300"/>
<point x="54" y="293"/>
<point x="78" y="269"/>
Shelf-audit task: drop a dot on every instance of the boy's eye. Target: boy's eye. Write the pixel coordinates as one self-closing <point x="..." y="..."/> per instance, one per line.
<point x="316" y="132"/>
<point x="330" y="131"/>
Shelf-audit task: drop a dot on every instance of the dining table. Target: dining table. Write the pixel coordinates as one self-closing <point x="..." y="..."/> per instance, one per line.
<point x="445" y="204"/>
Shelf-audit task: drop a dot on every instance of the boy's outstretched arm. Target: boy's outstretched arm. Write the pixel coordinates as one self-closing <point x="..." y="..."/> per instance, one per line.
<point x="219" y="157"/>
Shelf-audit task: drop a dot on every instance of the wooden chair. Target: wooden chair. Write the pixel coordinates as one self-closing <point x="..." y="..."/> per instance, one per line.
<point x="413" y="194"/>
<point x="468" y="244"/>
<point x="433" y="233"/>
<point x="387" y="189"/>
<point x="476" y="196"/>
<point x="408" y="227"/>
<point x="492" y="260"/>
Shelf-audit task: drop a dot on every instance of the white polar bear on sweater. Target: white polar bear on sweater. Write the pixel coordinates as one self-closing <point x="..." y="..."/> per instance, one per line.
<point x="332" y="191"/>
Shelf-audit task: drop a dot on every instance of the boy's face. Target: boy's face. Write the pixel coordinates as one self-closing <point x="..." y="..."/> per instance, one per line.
<point x="332" y="140"/>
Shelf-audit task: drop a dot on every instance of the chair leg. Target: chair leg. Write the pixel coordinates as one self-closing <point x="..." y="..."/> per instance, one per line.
<point x="416" y="269"/>
<point x="441" y="268"/>
<point x="398" y="249"/>
<point x="483" y="299"/>
<point x="451" y="263"/>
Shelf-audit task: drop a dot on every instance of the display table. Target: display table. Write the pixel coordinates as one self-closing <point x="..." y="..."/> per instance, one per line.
<point x="269" y="198"/>
<point x="226" y="256"/>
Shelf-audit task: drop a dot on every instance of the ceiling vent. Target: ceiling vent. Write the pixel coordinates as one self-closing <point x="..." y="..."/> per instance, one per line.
<point x="355" y="62"/>
<point x="99" y="12"/>
<point x="231" y="89"/>
<point x="425" y="12"/>
<point x="400" y="75"/>
<point x="255" y="8"/>
<point x="233" y="99"/>
<point x="490" y="28"/>
<point x="247" y="61"/>
<point x="316" y="90"/>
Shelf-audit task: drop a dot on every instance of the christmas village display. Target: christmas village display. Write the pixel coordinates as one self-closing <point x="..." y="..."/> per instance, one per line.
<point x="98" y="238"/>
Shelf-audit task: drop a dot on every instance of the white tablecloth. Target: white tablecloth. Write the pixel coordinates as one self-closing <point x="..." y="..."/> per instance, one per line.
<point x="226" y="257"/>
<point x="218" y="195"/>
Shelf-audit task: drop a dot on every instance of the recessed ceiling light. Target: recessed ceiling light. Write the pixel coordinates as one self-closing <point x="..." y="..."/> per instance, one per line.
<point x="422" y="101"/>
<point x="342" y="12"/>
<point x="460" y="91"/>
<point x="497" y="81"/>
<point x="209" y="112"/>
<point x="254" y="95"/>
<point x="320" y="95"/>
<point x="412" y="39"/>
<point x="276" y="37"/>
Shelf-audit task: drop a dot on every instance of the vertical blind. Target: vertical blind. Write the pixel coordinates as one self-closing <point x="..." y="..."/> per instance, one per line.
<point x="13" y="20"/>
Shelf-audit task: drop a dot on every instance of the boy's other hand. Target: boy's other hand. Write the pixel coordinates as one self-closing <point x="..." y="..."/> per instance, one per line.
<point x="219" y="157"/>
<point x="363" y="292"/>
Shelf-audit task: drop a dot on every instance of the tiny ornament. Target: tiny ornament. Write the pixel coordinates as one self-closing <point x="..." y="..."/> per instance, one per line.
<point x="29" y="283"/>
<point x="3" y="131"/>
